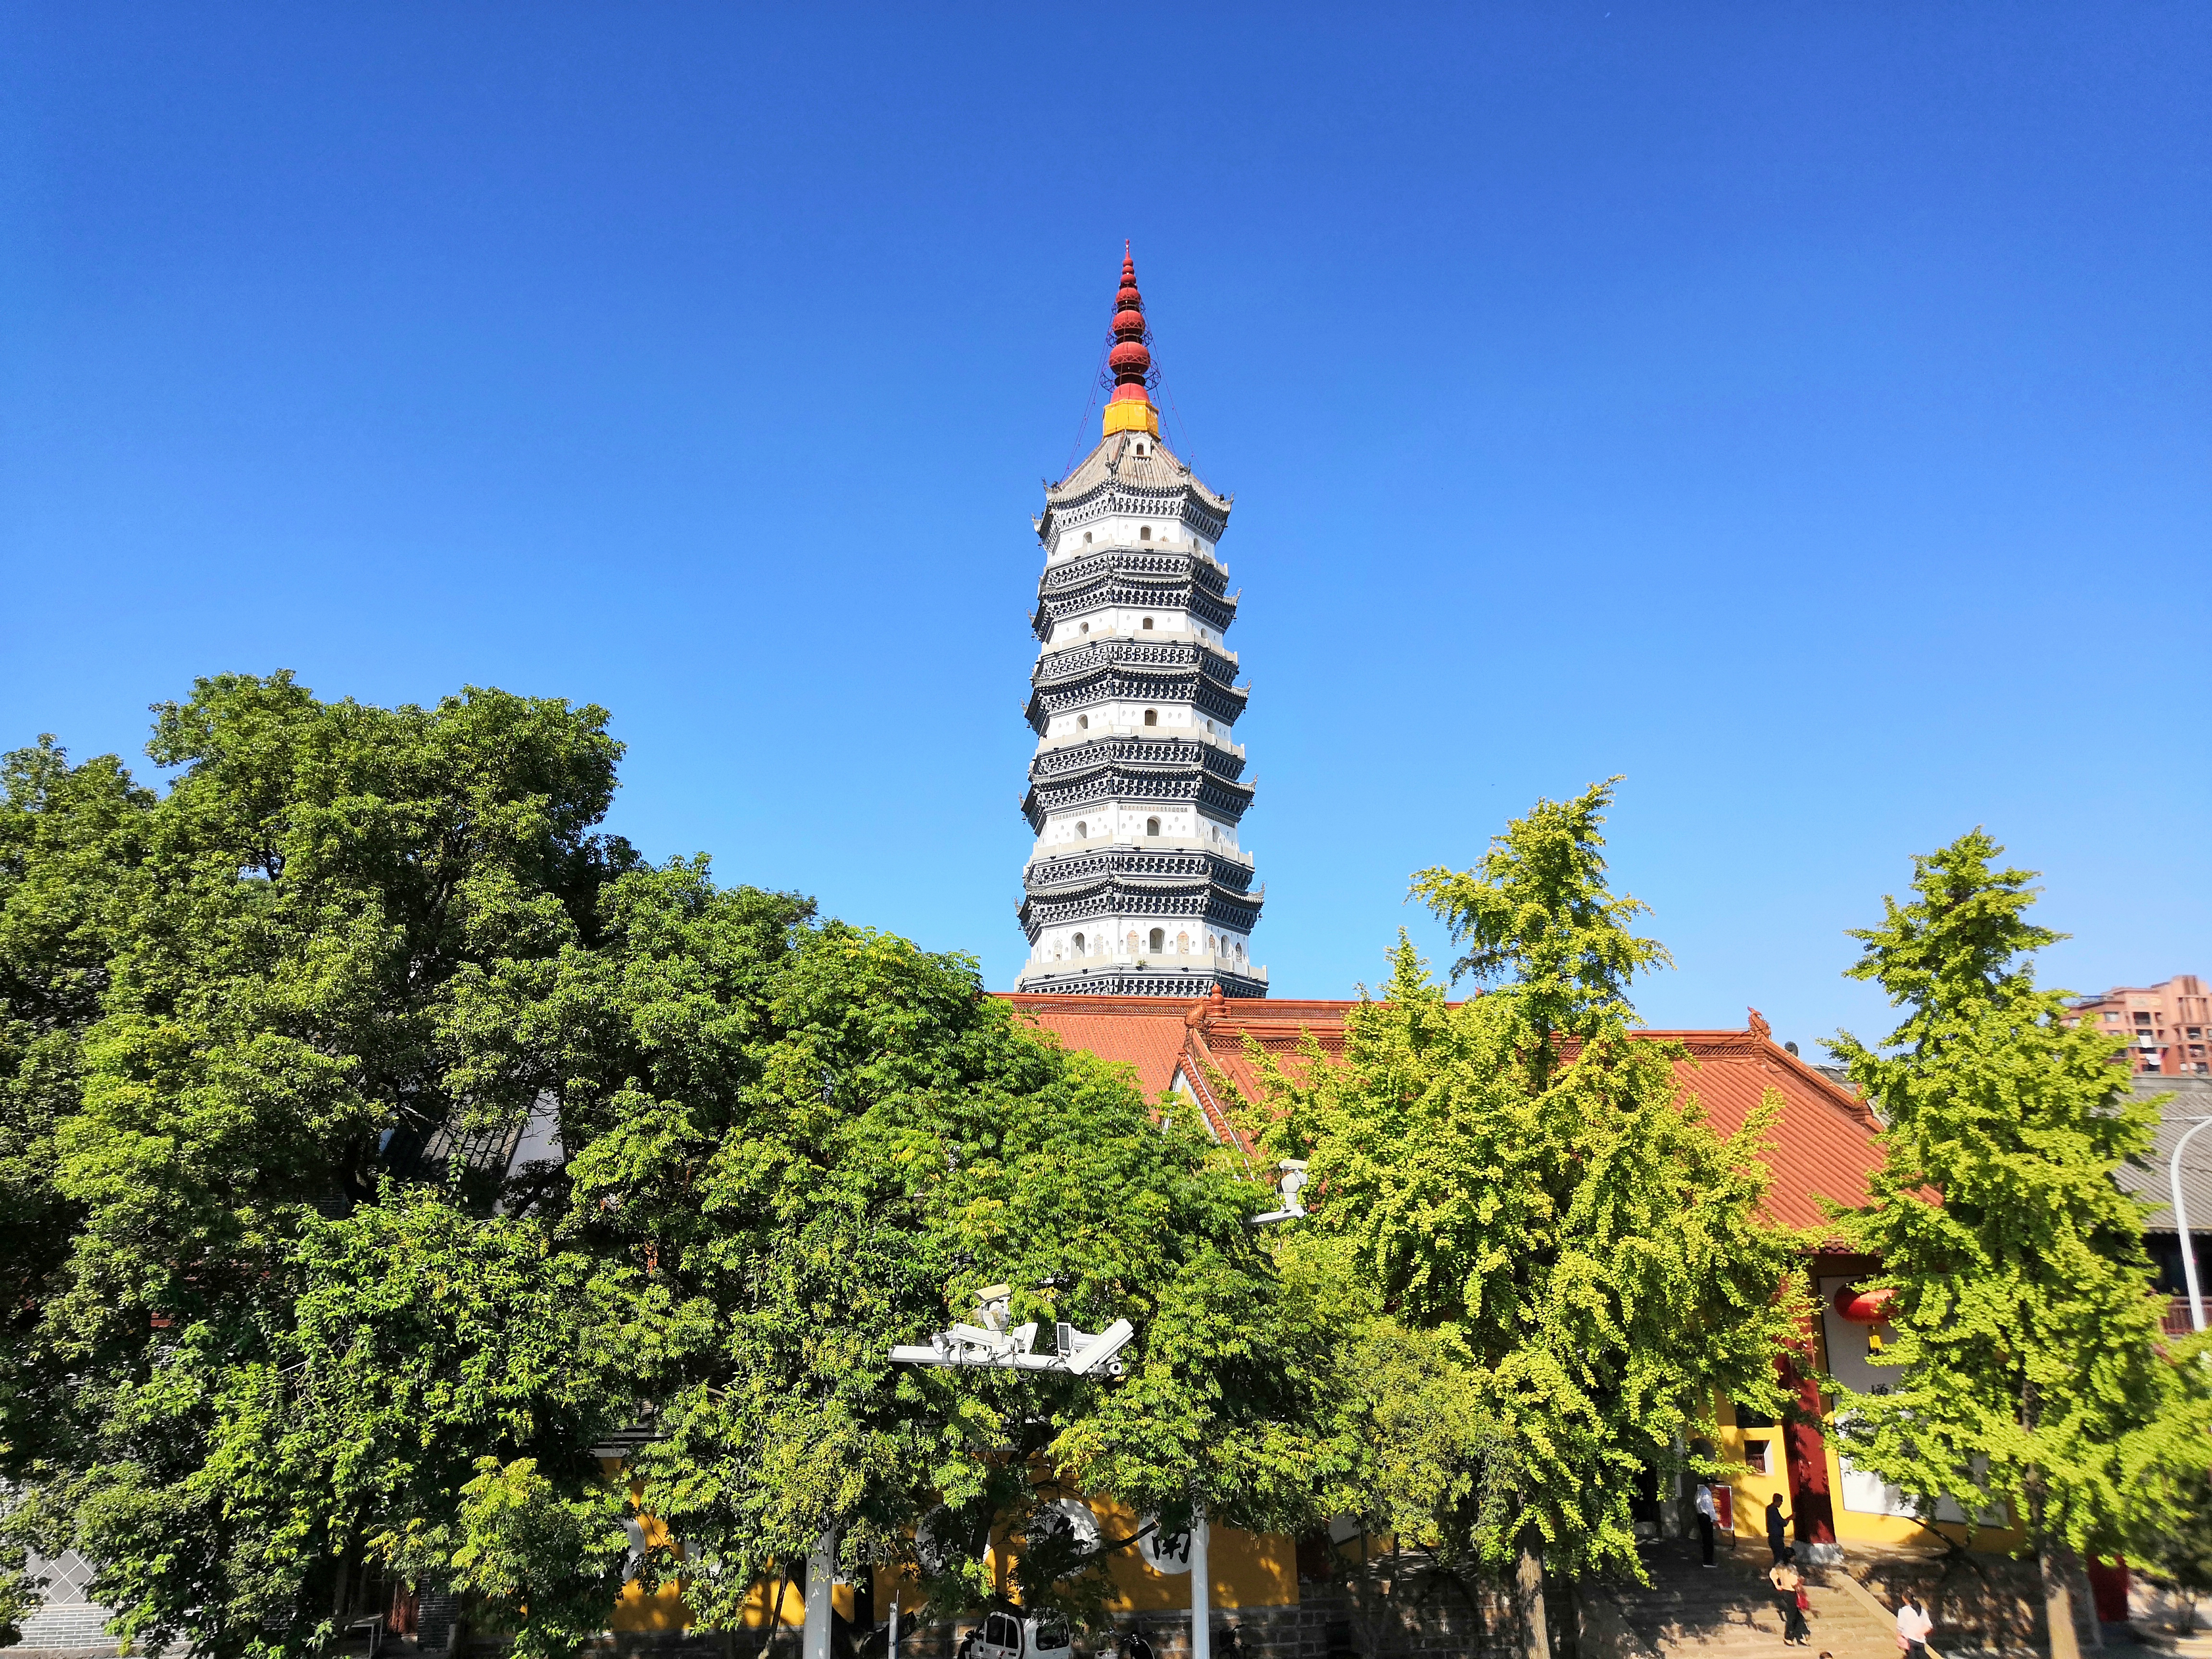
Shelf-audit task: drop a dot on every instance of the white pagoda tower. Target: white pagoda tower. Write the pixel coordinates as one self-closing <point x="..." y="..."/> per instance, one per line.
<point x="1138" y="885"/>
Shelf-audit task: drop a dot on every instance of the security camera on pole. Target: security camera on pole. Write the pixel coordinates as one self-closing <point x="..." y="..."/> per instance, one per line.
<point x="1292" y="1183"/>
<point x="990" y="1342"/>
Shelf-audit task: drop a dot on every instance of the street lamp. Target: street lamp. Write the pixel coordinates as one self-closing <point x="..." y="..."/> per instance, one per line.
<point x="2181" y="1224"/>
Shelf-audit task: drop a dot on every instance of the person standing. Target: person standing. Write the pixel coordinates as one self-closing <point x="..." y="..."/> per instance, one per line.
<point x="1705" y="1516"/>
<point x="1776" y="1539"/>
<point x="1914" y="1627"/>
<point x="1789" y="1587"/>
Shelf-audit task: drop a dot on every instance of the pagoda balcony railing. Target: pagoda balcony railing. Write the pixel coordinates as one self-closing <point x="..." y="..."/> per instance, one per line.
<point x="1120" y="651"/>
<point x="1144" y="860"/>
<point x="1119" y="559"/>
<point x="1225" y="759"/>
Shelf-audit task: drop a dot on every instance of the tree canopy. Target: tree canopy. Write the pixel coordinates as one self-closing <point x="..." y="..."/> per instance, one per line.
<point x="1520" y="1176"/>
<point x="382" y="1137"/>
<point x="2030" y="1368"/>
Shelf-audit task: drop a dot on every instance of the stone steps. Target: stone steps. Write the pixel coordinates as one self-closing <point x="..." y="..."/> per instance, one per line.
<point x="1687" y="1610"/>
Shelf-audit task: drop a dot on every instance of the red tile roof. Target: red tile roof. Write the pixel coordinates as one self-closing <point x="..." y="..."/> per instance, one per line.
<point x="1824" y="1147"/>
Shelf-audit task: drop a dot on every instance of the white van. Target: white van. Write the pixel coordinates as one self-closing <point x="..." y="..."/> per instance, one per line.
<point x="1005" y="1634"/>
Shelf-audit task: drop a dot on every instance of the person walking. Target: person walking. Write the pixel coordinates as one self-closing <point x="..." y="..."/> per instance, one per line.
<point x="1914" y="1627"/>
<point x="1705" y="1515"/>
<point x="1776" y="1539"/>
<point x="1790" y="1598"/>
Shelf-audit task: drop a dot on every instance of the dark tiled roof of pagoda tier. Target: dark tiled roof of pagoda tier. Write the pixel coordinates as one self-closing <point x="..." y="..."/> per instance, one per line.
<point x="1197" y="903"/>
<point x="1156" y="482"/>
<point x="1131" y="768"/>
<point x="1172" y="867"/>
<point x="1147" y="981"/>
<point x="1132" y="656"/>
<point x="1189" y="882"/>
<point x="1122" y="574"/>
<point x="1048" y="764"/>
<point x="1108" y="670"/>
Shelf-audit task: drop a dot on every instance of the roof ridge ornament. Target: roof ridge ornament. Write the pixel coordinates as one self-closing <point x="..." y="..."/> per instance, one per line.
<point x="1130" y="407"/>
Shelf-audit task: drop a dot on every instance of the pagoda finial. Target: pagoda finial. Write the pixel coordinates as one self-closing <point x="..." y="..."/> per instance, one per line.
<point x="1130" y="407"/>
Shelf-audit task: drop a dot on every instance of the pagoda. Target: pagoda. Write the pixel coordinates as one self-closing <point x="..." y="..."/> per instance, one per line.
<point x="1138" y="885"/>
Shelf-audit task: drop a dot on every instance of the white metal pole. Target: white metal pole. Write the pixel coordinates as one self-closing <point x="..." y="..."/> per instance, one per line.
<point x="890" y="1648"/>
<point x="821" y="1578"/>
<point x="1201" y="1591"/>
<point x="2181" y="1225"/>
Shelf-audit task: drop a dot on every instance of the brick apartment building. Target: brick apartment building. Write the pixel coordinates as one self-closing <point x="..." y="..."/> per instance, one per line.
<point x="2166" y="1025"/>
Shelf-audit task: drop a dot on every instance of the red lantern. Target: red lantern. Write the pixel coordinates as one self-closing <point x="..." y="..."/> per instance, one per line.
<point x="1864" y="1307"/>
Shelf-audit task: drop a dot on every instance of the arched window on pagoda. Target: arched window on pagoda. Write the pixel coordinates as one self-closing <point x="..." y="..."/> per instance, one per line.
<point x="1160" y="938"/>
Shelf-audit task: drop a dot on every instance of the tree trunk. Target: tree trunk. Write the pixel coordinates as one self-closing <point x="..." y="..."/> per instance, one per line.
<point x="2055" y="1563"/>
<point x="1529" y="1603"/>
<point x="775" y="1614"/>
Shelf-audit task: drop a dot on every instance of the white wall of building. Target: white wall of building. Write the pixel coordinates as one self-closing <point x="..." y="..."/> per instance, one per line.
<point x="1128" y="621"/>
<point x="1106" y="822"/>
<point x="1167" y="533"/>
<point x="1127" y="719"/>
<point x="1120" y="939"/>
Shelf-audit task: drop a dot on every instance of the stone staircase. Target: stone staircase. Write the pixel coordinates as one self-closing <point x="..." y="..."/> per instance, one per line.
<point x="1730" y="1610"/>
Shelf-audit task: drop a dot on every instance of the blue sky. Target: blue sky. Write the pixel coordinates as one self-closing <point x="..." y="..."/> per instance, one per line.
<point x="1801" y="409"/>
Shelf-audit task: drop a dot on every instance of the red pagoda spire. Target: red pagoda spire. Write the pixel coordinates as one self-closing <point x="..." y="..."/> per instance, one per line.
<point x="1130" y="408"/>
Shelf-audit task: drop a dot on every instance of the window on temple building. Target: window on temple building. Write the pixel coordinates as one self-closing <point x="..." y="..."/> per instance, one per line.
<point x="1148" y="622"/>
<point x="1151" y="717"/>
<point x="1160" y="938"/>
<point x="1144" y="534"/>
<point x="1083" y="721"/>
<point x="1086" y="538"/>
<point x="1077" y="942"/>
<point x="1152" y="826"/>
<point x="1082" y="829"/>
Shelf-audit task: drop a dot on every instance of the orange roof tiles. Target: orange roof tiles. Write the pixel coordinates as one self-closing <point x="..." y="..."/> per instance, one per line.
<point x="1824" y="1145"/>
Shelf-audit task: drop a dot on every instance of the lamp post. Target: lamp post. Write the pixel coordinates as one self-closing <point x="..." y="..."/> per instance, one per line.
<point x="2181" y="1224"/>
<point x="1201" y="1589"/>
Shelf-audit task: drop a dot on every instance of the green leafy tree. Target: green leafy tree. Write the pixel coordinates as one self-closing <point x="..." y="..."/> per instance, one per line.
<point x="71" y="840"/>
<point x="2030" y="1368"/>
<point x="2176" y="1546"/>
<point x="1520" y="1177"/>
<point x="291" y="1324"/>
<point x="233" y="1013"/>
<point x="815" y="1142"/>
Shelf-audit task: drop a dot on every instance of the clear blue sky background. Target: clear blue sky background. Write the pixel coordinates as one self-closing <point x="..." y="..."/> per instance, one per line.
<point x="1799" y="409"/>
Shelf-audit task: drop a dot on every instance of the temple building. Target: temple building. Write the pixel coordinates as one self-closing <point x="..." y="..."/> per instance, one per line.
<point x="1138" y="884"/>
